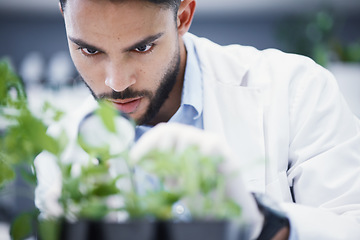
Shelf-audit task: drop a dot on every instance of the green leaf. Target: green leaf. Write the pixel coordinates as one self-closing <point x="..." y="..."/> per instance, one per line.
<point x="49" y="229"/>
<point x="71" y="189"/>
<point x="353" y="52"/>
<point x="27" y="138"/>
<point x="21" y="227"/>
<point x="95" y="170"/>
<point x="6" y="172"/>
<point x="56" y="114"/>
<point x="3" y="90"/>
<point x="105" y="189"/>
<point x="94" y="209"/>
<point x="107" y="114"/>
<point x="35" y="131"/>
<point x="9" y="80"/>
<point x="28" y="176"/>
<point x="159" y="204"/>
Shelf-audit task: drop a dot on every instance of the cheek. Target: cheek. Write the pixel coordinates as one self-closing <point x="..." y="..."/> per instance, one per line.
<point x="150" y="77"/>
<point x="160" y="64"/>
<point x="147" y="73"/>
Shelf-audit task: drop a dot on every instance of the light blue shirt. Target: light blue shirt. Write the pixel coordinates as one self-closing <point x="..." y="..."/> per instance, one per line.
<point x="190" y="111"/>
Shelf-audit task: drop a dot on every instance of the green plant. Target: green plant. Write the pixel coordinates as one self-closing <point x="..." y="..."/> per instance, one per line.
<point x="23" y="136"/>
<point x="86" y="193"/>
<point x="188" y="176"/>
<point x="316" y="35"/>
<point x="104" y="183"/>
<point x="191" y="177"/>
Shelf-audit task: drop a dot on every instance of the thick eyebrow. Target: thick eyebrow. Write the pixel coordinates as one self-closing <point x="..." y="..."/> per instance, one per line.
<point x="145" y="41"/>
<point x="83" y="44"/>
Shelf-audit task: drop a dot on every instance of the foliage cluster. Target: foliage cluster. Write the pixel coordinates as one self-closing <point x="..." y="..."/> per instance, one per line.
<point x="92" y="190"/>
<point x="317" y="35"/>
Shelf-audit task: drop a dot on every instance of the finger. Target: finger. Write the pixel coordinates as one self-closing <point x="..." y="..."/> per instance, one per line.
<point x="171" y="136"/>
<point x="179" y="137"/>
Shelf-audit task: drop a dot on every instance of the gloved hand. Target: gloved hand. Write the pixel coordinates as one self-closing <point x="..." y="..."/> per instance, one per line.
<point x="178" y="137"/>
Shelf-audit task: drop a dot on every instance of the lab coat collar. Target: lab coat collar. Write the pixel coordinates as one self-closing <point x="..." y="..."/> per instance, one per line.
<point x="234" y="109"/>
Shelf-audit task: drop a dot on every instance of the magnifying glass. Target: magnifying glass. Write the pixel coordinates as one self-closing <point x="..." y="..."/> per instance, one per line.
<point x="106" y="132"/>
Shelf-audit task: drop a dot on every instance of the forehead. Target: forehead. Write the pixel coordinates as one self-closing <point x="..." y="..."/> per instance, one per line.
<point x="115" y="19"/>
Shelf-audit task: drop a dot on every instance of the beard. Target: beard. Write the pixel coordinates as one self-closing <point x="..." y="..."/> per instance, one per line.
<point x="156" y="99"/>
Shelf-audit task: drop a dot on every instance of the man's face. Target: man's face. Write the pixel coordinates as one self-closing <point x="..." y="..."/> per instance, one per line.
<point x="126" y="52"/>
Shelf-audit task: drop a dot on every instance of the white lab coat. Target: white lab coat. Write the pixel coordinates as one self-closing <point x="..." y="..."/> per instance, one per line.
<point x="289" y="126"/>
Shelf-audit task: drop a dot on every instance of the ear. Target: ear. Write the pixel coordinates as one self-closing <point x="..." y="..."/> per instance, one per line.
<point x="185" y="15"/>
<point x="61" y="10"/>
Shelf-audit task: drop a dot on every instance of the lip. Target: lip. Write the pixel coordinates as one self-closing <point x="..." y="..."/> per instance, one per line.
<point x="126" y="105"/>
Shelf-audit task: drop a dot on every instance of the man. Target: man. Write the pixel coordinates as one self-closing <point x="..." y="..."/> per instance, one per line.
<point x="263" y="104"/>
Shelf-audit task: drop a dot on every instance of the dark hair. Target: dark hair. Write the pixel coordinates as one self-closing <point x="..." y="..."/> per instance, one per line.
<point x="173" y="4"/>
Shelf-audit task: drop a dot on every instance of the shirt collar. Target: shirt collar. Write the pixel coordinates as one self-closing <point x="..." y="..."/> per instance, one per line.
<point x="192" y="94"/>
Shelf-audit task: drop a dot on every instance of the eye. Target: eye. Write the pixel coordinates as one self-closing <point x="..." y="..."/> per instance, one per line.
<point x="144" y="48"/>
<point x="89" y="51"/>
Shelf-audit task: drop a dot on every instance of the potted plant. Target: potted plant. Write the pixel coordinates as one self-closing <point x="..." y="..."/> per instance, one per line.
<point x="164" y="195"/>
<point x="107" y="194"/>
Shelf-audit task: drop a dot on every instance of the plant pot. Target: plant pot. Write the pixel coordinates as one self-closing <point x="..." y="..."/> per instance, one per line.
<point x="209" y="230"/>
<point x="71" y="231"/>
<point x="145" y="230"/>
<point x="94" y="230"/>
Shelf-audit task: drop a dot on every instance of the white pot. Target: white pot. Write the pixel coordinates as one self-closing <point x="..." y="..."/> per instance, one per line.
<point x="348" y="77"/>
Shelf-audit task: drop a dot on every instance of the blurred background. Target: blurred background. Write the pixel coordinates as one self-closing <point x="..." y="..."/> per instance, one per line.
<point x="29" y="27"/>
<point x="32" y="37"/>
<point x="33" y="34"/>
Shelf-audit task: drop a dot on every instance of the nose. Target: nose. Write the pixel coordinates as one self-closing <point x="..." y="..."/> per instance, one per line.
<point x="119" y="77"/>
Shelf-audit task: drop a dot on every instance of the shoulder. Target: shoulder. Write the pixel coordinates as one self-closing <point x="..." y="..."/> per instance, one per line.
<point x="212" y="52"/>
<point x="237" y="64"/>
